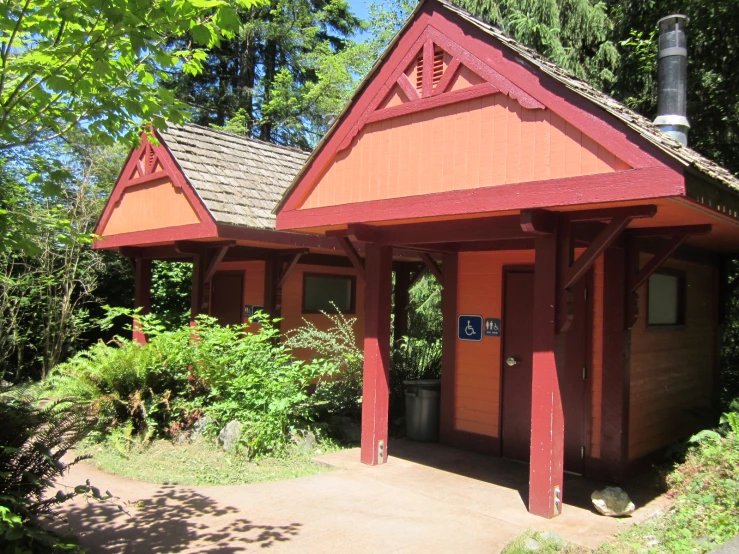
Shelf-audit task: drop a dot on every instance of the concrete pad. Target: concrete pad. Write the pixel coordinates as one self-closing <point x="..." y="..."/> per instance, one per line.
<point x="459" y="502"/>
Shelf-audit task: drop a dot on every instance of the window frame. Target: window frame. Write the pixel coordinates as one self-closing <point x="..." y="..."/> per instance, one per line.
<point x="682" y="301"/>
<point x="352" y="283"/>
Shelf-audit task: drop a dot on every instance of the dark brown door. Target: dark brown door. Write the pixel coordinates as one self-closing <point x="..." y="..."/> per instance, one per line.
<point x="517" y="359"/>
<point x="226" y="298"/>
<point x="517" y="371"/>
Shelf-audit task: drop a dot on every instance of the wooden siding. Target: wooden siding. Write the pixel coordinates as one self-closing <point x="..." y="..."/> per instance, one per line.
<point x="292" y="303"/>
<point x="477" y="383"/>
<point x="672" y="371"/>
<point x="478" y="370"/>
<point x="483" y="142"/>
<point x="150" y="206"/>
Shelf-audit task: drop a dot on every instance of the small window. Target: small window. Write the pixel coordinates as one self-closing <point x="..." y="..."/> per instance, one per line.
<point x="666" y="295"/>
<point x="327" y="293"/>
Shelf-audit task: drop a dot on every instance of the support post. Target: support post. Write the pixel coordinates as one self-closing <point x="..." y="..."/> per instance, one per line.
<point x="375" y="393"/>
<point x="198" y="294"/>
<point x="448" y="346"/>
<point x="615" y="400"/>
<point x="272" y="267"/>
<point x="546" y="472"/>
<point x="142" y="295"/>
<point x="402" y="286"/>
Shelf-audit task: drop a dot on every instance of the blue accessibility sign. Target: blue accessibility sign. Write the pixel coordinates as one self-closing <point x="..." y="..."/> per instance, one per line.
<point x="470" y="327"/>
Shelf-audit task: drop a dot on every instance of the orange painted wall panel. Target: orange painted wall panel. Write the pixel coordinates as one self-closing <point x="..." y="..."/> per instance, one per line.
<point x="672" y="371"/>
<point x="150" y="206"/>
<point x="292" y="303"/>
<point x="477" y="143"/>
<point x="478" y="369"/>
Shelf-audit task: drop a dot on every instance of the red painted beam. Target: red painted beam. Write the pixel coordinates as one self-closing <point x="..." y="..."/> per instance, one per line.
<point x="538" y="221"/>
<point x="446" y="79"/>
<point x="431" y="265"/>
<point x="428" y="68"/>
<point x="458" y="230"/>
<point x="586" y="260"/>
<point x="142" y="296"/>
<point x="376" y="374"/>
<point x="670" y="231"/>
<point x="353" y="255"/>
<point x="633" y="212"/>
<point x="449" y="348"/>
<point x="546" y="470"/>
<point x="407" y="87"/>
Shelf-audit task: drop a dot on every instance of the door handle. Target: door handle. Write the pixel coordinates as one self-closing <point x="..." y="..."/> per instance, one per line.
<point x="510" y="362"/>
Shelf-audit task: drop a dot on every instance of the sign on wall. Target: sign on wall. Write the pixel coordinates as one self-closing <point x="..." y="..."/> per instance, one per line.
<point x="492" y="327"/>
<point x="470" y="327"/>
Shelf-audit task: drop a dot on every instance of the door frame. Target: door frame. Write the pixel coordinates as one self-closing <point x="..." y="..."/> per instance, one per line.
<point x="588" y="396"/>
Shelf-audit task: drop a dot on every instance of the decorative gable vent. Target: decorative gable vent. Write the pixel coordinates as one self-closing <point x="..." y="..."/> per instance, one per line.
<point x="438" y="69"/>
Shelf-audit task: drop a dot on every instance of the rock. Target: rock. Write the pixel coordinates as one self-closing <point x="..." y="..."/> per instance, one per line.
<point x="613" y="501"/>
<point x="201" y="426"/>
<point x="531" y="545"/>
<point x="305" y="440"/>
<point x="230" y="435"/>
<point x="553" y="538"/>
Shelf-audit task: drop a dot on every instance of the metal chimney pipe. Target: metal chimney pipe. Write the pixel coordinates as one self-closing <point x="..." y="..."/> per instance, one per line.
<point x="673" y="77"/>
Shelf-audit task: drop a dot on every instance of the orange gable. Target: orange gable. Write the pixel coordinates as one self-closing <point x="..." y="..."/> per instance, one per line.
<point x="451" y="122"/>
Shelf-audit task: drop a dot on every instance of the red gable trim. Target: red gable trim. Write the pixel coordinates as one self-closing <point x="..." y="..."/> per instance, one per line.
<point x="635" y="184"/>
<point x="433" y="17"/>
<point x="172" y="171"/>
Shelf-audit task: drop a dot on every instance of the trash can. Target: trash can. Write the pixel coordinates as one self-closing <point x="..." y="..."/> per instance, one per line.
<point x="422" y="406"/>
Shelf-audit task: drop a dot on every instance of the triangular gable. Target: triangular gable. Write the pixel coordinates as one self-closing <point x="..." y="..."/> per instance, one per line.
<point x="419" y="113"/>
<point x="150" y="196"/>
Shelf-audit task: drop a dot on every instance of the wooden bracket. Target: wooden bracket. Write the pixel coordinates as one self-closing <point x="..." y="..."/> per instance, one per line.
<point x="215" y="261"/>
<point x="419" y="273"/>
<point x="638" y="276"/>
<point x="433" y="267"/>
<point x="294" y="259"/>
<point x="569" y="270"/>
<point x="353" y="255"/>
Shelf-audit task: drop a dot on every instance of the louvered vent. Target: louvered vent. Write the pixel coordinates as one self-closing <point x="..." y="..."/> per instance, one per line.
<point x="438" y="69"/>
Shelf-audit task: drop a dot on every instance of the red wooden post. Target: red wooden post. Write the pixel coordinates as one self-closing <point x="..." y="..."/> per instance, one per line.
<point x="449" y="346"/>
<point x="616" y="347"/>
<point x="142" y="295"/>
<point x="375" y="394"/>
<point x="197" y="296"/>
<point x="402" y="286"/>
<point x="271" y="276"/>
<point x="546" y="472"/>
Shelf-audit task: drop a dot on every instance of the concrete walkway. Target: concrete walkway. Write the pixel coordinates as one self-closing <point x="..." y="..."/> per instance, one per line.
<point x="427" y="498"/>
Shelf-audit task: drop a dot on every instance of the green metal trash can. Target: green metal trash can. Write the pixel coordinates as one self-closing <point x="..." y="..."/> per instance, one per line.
<point x="422" y="406"/>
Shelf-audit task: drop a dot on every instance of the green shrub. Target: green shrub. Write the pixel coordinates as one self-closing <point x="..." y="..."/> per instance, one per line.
<point x="340" y="360"/>
<point x="33" y="441"/>
<point x="413" y="358"/>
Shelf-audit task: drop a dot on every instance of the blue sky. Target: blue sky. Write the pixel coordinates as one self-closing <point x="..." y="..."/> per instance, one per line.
<point x="361" y="10"/>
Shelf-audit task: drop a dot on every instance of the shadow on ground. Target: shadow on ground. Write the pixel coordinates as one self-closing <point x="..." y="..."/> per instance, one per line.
<point x="173" y="519"/>
<point x="515" y="475"/>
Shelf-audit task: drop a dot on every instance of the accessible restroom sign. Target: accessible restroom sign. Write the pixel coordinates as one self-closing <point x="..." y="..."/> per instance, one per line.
<point x="474" y="327"/>
<point x="470" y="327"/>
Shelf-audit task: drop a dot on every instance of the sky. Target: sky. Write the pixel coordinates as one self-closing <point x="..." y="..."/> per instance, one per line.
<point x="361" y="10"/>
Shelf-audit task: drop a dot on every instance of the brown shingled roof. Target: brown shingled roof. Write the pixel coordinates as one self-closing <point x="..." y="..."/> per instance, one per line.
<point x="239" y="179"/>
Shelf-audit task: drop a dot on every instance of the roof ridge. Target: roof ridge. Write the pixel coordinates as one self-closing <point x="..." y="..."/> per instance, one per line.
<point x="231" y="134"/>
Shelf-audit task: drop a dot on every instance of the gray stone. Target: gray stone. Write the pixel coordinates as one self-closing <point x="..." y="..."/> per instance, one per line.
<point x="200" y="427"/>
<point x="532" y="545"/>
<point x="553" y="538"/>
<point x="305" y="440"/>
<point x="613" y="501"/>
<point x="230" y="435"/>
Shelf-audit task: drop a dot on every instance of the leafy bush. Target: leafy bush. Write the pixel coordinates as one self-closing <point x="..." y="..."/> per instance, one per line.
<point x="33" y="442"/>
<point x="160" y="389"/>
<point x="413" y="358"/>
<point x="706" y="493"/>
<point x="339" y="359"/>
